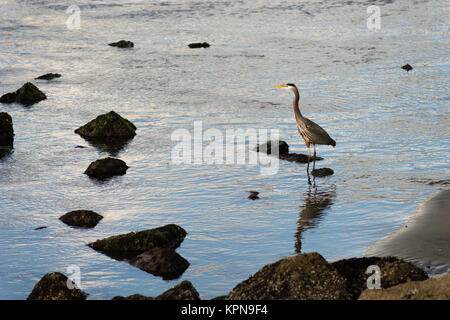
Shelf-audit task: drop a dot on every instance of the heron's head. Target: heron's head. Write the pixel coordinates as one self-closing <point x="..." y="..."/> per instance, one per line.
<point x="288" y="86"/>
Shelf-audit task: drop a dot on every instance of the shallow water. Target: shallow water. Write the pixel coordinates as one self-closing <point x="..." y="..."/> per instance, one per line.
<point x="391" y="129"/>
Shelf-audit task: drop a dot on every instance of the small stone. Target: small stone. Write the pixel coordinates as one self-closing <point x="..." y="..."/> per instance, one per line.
<point x="253" y="195"/>
<point x="81" y="218"/>
<point x="122" y="44"/>
<point x="40" y="228"/>
<point x="48" y="76"/>
<point x="407" y="67"/>
<point x="199" y="45"/>
<point x="322" y="172"/>
<point x="107" y="167"/>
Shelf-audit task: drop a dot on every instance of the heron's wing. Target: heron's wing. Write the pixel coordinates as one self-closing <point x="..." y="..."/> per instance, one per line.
<point x="315" y="133"/>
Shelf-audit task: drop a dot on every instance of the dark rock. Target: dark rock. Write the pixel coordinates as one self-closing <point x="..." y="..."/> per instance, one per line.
<point x="199" y="45"/>
<point x="53" y="286"/>
<point x="108" y="126"/>
<point x="393" y="271"/>
<point x="283" y="147"/>
<point x="27" y="95"/>
<point x="40" y="228"/>
<point x="305" y="276"/>
<point x="80" y="147"/>
<point x="407" y="67"/>
<point x="182" y="291"/>
<point x="253" y="195"/>
<point x="81" y="218"/>
<point x="322" y="172"/>
<point x="163" y="262"/>
<point x="109" y="132"/>
<point x="6" y="130"/>
<point x="4" y="151"/>
<point x="122" y="44"/>
<point x="107" y="167"/>
<point x="298" y="157"/>
<point x="127" y="246"/>
<point x="49" y="76"/>
<point x="136" y="296"/>
<point x="283" y="152"/>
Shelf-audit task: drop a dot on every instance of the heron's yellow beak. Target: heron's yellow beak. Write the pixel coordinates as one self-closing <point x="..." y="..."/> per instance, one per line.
<point x="282" y="86"/>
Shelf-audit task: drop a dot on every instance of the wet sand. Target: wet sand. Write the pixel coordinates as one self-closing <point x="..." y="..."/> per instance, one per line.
<point x="425" y="239"/>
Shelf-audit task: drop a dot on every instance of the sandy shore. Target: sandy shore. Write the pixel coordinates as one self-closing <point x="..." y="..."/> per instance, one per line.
<point x="425" y="239"/>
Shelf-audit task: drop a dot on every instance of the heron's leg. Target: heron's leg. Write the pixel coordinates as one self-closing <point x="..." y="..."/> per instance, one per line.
<point x="307" y="167"/>
<point x="314" y="163"/>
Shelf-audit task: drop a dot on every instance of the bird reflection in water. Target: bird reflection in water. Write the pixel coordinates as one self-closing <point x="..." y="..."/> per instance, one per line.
<point x="316" y="203"/>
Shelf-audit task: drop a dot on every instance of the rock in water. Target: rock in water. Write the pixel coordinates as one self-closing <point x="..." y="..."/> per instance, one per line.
<point x="283" y="147"/>
<point x="27" y="95"/>
<point x="431" y="289"/>
<point x="48" y="76"/>
<point x="322" y="172"/>
<point x="199" y="45"/>
<point x="81" y="218"/>
<point x="163" y="262"/>
<point x="283" y="152"/>
<point x="122" y="44"/>
<point x="182" y="291"/>
<point x="305" y="276"/>
<point x="253" y="195"/>
<point x="6" y="130"/>
<point x="393" y="271"/>
<point x="107" y="167"/>
<point x="109" y="127"/>
<point x="407" y="67"/>
<point x="127" y="246"/>
<point x="53" y="286"/>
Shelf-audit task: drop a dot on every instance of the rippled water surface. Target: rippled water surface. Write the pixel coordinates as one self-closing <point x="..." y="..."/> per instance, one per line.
<point x="391" y="128"/>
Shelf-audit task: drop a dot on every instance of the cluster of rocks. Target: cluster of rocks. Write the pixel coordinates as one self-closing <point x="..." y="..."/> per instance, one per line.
<point x="151" y="250"/>
<point x="280" y="149"/>
<point x="27" y="95"/>
<point x="302" y="277"/>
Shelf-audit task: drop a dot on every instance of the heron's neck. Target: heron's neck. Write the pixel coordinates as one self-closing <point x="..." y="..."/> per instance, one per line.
<point x="297" y="112"/>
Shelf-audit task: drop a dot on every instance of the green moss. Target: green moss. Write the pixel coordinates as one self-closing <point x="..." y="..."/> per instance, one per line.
<point x="129" y="245"/>
<point x="107" y="126"/>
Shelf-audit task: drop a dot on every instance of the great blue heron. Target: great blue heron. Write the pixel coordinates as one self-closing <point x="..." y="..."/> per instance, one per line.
<point x="310" y="131"/>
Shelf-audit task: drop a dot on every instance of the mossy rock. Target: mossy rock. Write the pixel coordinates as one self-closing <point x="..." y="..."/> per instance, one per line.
<point x="49" y="76"/>
<point x="54" y="286"/>
<point x="122" y="44"/>
<point x="81" y="218"/>
<point x="162" y="262"/>
<point x="27" y="95"/>
<point x="302" y="277"/>
<point x="108" y="127"/>
<point x="393" y="271"/>
<point x="182" y="291"/>
<point x="127" y="246"/>
<point x="6" y="130"/>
